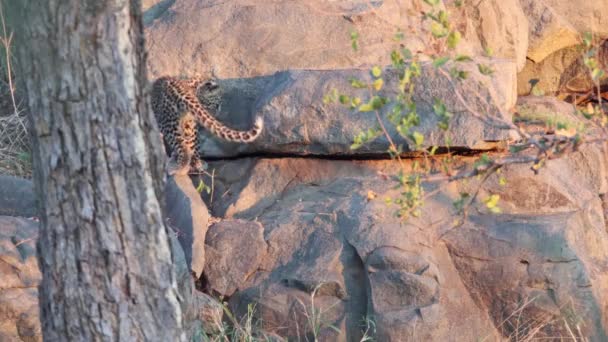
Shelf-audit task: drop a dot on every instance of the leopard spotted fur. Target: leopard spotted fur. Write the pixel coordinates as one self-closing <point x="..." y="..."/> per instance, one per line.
<point x="178" y="110"/>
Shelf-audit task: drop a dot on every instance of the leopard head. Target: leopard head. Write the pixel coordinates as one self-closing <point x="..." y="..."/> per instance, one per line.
<point x="210" y="95"/>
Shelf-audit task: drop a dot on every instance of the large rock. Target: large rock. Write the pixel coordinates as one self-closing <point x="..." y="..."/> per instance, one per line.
<point x="506" y="37"/>
<point x="321" y="230"/>
<point x="235" y="250"/>
<point x="549" y="74"/>
<point x="298" y="122"/>
<point x="20" y="276"/>
<point x="585" y="16"/>
<point x="202" y="314"/>
<point x="563" y="71"/>
<point x="17" y="197"/>
<point x="336" y="246"/>
<point x="19" y="279"/>
<point x="245" y="38"/>
<point x="188" y="217"/>
<point x="549" y="32"/>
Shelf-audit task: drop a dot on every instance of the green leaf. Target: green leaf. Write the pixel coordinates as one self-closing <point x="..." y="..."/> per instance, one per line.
<point x="201" y="186"/>
<point x="438" y="30"/>
<point x="378" y="102"/>
<point x="459" y="74"/>
<point x="590" y="62"/>
<point x="357" y="84"/>
<point x="433" y="150"/>
<point x="488" y="52"/>
<point x="354" y="38"/>
<point x="396" y="59"/>
<point x="399" y="36"/>
<point x="482" y="162"/>
<point x="597" y="74"/>
<point x="439" y="107"/>
<point x="418" y="138"/>
<point x="460" y="202"/>
<point x="502" y="181"/>
<point x="587" y="39"/>
<point x="366" y="107"/>
<point x="438" y="62"/>
<point x="331" y="97"/>
<point x="485" y="69"/>
<point x="378" y="84"/>
<point x="463" y="58"/>
<point x="453" y="39"/>
<point x="492" y="201"/>
<point x="432" y="2"/>
<point x="407" y="53"/>
<point x="517" y="149"/>
<point x="537" y="91"/>
<point x="442" y="17"/>
<point x="441" y="111"/>
<point x="344" y="99"/>
<point x="376" y="71"/>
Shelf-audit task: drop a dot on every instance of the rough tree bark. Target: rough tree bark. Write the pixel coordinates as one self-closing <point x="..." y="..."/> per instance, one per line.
<point x="98" y="159"/>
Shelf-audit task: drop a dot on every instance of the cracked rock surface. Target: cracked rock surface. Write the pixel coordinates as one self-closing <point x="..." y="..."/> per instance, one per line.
<point x="544" y="256"/>
<point x="19" y="278"/>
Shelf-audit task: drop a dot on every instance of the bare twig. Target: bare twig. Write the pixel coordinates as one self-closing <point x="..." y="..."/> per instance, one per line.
<point x="6" y="40"/>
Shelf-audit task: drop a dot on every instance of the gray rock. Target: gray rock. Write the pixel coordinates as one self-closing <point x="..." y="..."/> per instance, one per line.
<point x="547" y="73"/>
<point x="547" y="266"/>
<point x="292" y="313"/>
<point x="549" y="32"/>
<point x="19" y="279"/>
<point x="542" y="260"/>
<point x="322" y="231"/>
<point x="188" y="218"/>
<point x="243" y="38"/>
<point x="17" y="197"/>
<point x="20" y="276"/>
<point x="235" y="250"/>
<point x="297" y="122"/>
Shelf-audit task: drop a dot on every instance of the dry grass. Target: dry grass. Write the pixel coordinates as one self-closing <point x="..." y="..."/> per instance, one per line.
<point x="15" y="152"/>
<point x="15" y="146"/>
<point x="248" y="328"/>
<point x="524" y="327"/>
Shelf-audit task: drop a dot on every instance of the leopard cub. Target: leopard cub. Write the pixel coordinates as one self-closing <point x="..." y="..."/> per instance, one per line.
<point x="178" y="111"/>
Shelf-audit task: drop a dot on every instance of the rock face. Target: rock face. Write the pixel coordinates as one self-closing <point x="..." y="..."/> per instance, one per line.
<point x="297" y="122"/>
<point x="312" y="243"/>
<point x="309" y="244"/>
<point x="550" y="32"/>
<point x="187" y="216"/>
<point x="17" y="197"/>
<point x="244" y="38"/>
<point x="19" y="278"/>
<point x="235" y="249"/>
<point x="541" y="261"/>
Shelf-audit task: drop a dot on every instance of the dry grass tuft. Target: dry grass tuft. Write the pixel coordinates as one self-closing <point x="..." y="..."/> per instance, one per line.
<point x="15" y="146"/>
<point x="15" y="151"/>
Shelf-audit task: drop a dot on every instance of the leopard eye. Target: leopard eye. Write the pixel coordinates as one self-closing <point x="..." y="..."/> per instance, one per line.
<point x="211" y="85"/>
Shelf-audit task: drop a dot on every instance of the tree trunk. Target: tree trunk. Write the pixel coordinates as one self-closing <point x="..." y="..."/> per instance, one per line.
<point x="103" y="249"/>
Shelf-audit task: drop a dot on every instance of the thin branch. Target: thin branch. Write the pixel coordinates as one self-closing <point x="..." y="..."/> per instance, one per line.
<point x="6" y="41"/>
